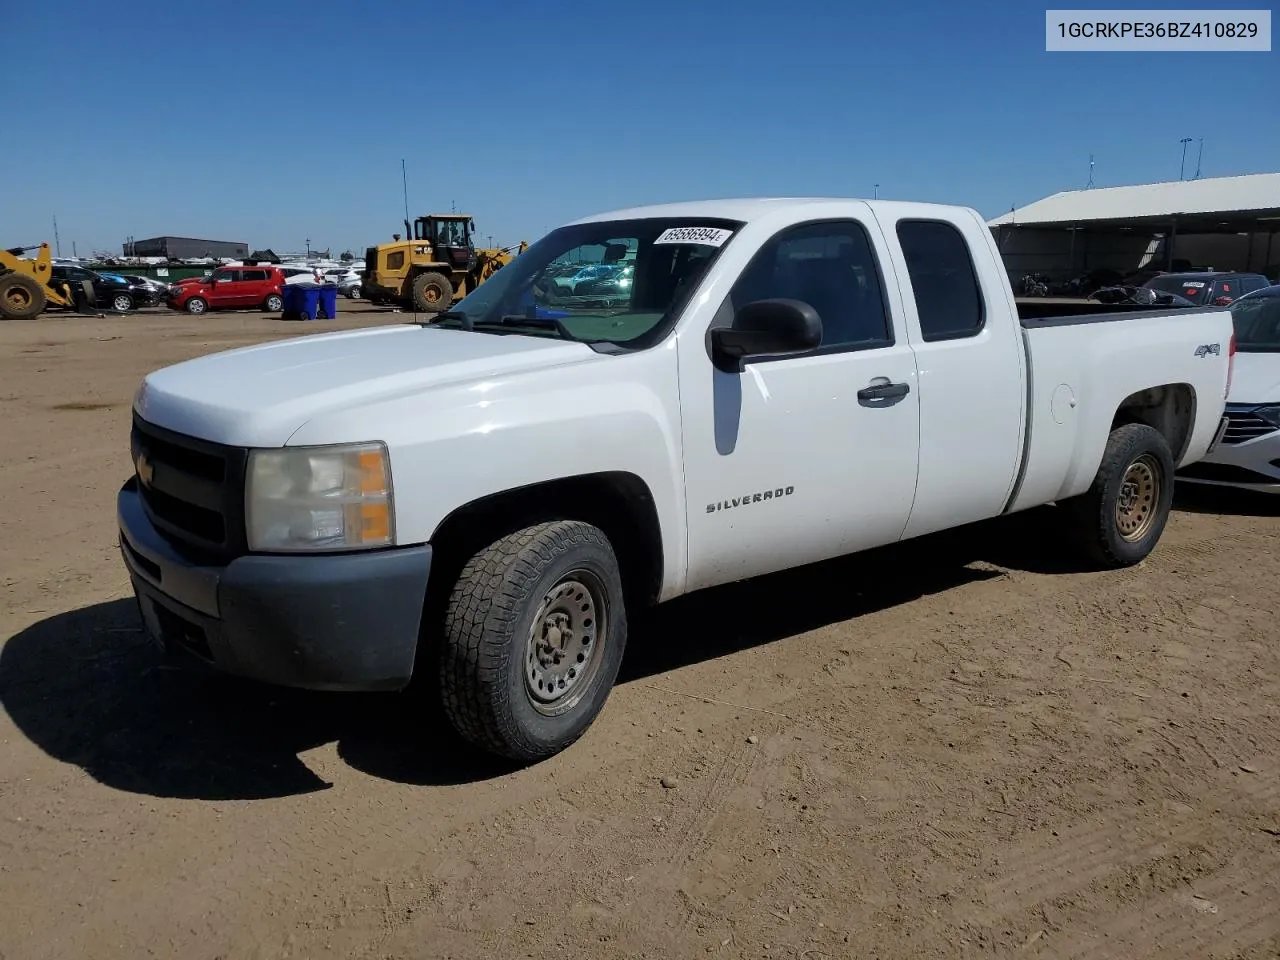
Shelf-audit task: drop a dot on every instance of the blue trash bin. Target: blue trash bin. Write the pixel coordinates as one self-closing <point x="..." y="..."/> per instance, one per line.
<point x="302" y="301"/>
<point x="328" y="300"/>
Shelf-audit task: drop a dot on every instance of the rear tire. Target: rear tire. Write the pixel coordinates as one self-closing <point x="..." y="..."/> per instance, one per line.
<point x="432" y="292"/>
<point x="273" y="304"/>
<point x="1120" y="518"/>
<point x="534" y="632"/>
<point x="21" y="297"/>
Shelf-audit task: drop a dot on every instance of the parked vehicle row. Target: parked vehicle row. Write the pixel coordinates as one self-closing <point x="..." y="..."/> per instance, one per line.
<point x="784" y="381"/>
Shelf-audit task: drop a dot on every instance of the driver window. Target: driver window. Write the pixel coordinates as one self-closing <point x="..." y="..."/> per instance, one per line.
<point x="831" y="267"/>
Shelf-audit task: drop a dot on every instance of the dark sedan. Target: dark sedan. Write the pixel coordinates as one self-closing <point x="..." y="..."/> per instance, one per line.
<point x="109" y="292"/>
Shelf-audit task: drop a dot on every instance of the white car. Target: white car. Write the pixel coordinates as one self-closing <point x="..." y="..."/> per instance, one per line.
<point x="1248" y="455"/>
<point x="785" y="381"/>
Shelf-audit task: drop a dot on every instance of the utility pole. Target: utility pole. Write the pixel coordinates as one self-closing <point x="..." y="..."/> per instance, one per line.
<point x="57" y="244"/>
<point x="1182" y="168"/>
<point x="404" y="179"/>
<point x="1199" y="157"/>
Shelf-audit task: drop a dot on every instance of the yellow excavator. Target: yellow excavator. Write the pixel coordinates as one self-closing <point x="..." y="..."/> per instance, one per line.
<point x="436" y="263"/>
<point x="26" y="286"/>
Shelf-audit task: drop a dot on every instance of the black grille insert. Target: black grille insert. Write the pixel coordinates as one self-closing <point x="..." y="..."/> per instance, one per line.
<point x="1243" y="425"/>
<point x="193" y="490"/>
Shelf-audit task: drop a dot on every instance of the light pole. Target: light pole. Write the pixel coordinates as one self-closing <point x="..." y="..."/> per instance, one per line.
<point x="1182" y="168"/>
<point x="1199" y="157"/>
<point x="877" y="194"/>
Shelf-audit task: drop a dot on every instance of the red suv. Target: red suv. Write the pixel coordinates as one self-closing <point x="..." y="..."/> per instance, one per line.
<point x="229" y="288"/>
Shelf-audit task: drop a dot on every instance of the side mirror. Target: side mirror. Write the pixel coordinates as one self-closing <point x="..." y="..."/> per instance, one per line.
<point x="766" y="328"/>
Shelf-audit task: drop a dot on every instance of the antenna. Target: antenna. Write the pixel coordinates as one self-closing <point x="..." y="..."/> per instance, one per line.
<point x="1199" y="157"/>
<point x="57" y="244"/>
<point x="1089" y="185"/>
<point x="404" y="180"/>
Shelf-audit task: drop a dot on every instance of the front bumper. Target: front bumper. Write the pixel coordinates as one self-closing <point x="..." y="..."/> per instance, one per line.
<point x="336" y="622"/>
<point x="1250" y="465"/>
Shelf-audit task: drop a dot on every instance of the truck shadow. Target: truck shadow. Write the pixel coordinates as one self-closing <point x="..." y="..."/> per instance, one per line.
<point x="88" y="689"/>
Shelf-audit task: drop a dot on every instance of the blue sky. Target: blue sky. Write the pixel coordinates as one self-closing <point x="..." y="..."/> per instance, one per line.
<point x="279" y="122"/>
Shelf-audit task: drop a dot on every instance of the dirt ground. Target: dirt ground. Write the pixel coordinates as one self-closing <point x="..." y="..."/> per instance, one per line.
<point x="954" y="748"/>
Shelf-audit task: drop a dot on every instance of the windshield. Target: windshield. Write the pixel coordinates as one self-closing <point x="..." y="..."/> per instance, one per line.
<point x="1257" y="323"/>
<point x="451" y="233"/>
<point x="1188" y="288"/>
<point x="617" y="281"/>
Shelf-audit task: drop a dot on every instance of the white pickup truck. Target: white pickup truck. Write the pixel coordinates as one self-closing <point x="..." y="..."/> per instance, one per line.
<point x="483" y="499"/>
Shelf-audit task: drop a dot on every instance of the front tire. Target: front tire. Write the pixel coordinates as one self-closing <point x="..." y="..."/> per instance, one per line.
<point x="197" y="305"/>
<point x="432" y="292"/>
<point x="122" y="303"/>
<point x="534" y="633"/>
<point x="1120" y="518"/>
<point x="21" y="297"/>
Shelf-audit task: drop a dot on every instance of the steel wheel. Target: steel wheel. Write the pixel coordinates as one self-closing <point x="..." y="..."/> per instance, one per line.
<point x="565" y="645"/>
<point x="1138" y="498"/>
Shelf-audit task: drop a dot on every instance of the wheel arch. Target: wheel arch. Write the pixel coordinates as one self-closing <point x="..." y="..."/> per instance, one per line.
<point x="619" y="503"/>
<point x="1169" y="409"/>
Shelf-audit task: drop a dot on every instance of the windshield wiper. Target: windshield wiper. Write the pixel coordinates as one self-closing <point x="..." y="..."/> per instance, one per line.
<point x="503" y="323"/>
<point x="463" y="320"/>
<point x="517" y="320"/>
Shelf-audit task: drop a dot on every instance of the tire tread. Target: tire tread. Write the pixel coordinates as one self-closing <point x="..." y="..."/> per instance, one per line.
<point x="479" y="625"/>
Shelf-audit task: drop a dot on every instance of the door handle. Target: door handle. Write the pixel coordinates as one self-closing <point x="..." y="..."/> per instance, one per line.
<point x="884" y="390"/>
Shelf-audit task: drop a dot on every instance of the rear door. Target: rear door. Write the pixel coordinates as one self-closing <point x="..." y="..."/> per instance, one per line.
<point x="968" y="345"/>
<point x="256" y="285"/>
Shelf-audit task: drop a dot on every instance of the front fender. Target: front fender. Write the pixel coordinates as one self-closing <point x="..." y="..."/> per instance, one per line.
<point x="455" y="444"/>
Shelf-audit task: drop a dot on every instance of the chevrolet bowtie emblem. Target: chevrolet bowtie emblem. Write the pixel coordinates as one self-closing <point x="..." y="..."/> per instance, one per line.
<point x="145" y="470"/>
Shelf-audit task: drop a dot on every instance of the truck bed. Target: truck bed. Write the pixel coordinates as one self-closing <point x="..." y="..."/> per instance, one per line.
<point x="1036" y="311"/>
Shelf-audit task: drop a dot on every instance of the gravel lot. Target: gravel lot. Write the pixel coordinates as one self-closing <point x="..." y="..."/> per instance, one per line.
<point x="959" y="747"/>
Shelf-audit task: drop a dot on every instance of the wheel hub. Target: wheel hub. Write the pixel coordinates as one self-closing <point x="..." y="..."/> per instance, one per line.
<point x="563" y="643"/>
<point x="1137" y="499"/>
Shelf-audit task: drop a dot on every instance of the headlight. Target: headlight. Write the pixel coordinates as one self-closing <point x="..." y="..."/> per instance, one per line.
<point x="1270" y="414"/>
<point x="319" y="498"/>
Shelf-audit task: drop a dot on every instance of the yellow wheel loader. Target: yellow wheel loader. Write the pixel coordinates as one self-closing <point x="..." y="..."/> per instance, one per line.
<point x="434" y="265"/>
<point x="26" y="286"/>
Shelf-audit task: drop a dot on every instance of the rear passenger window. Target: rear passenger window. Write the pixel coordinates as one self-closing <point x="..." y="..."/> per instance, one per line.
<point x="943" y="279"/>
<point x="831" y="267"/>
<point x="255" y="275"/>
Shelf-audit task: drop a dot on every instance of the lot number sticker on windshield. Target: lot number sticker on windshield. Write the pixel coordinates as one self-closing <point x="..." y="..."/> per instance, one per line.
<point x="1193" y="285"/>
<point x="708" y="236"/>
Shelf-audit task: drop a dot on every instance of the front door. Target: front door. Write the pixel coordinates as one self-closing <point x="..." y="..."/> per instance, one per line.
<point x="225" y="289"/>
<point x="803" y="458"/>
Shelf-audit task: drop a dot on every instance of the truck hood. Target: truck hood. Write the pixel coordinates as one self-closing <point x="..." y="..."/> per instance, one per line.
<point x="261" y="395"/>
<point x="1255" y="378"/>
